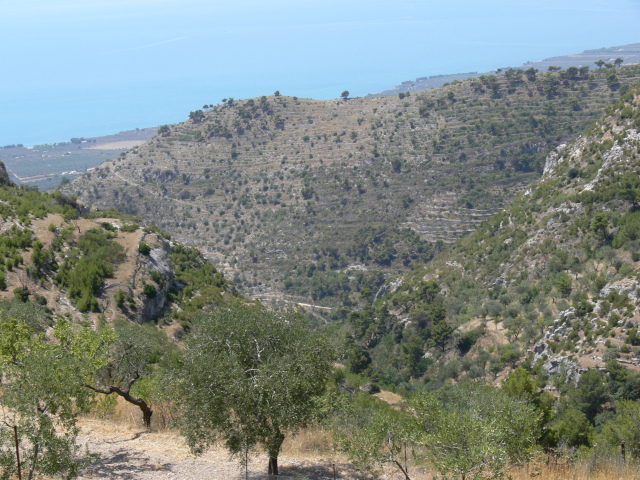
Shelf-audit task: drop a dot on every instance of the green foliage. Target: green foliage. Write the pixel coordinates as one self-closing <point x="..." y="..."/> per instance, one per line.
<point x="194" y="271"/>
<point x="467" y="340"/>
<point x="378" y="439"/>
<point x="42" y="393"/>
<point x="474" y="430"/>
<point x="144" y="249"/>
<point x="440" y="335"/>
<point x="119" y="298"/>
<point x="130" y="227"/>
<point x="149" y="290"/>
<point x="564" y="283"/>
<point x="87" y="265"/>
<point x="117" y="360"/>
<point x="573" y="428"/>
<point x="622" y="384"/>
<point x="248" y="376"/>
<point x="358" y="358"/>
<point x="625" y="426"/>
<point x="21" y="294"/>
<point x="590" y="393"/>
<point x="520" y="385"/>
<point x="24" y="201"/>
<point x="196" y="116"/>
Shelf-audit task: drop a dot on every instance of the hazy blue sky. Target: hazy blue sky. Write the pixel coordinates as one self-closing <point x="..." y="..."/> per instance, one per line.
<point x="91" y="67"/>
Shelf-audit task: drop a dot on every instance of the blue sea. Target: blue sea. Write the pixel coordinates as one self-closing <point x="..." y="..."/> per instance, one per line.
<point x="72" y="69"/>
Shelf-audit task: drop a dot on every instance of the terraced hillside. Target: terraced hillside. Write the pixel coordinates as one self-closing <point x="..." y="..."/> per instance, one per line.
<point x="320" y="200"/>
<point x="552" y="282"/>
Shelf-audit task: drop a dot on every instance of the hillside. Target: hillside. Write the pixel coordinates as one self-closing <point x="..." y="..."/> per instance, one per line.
<point x="630" y="54"/>
<point x="317" y="201"/>
<point x="85" y="264"/>
<point x="550" y="282"/>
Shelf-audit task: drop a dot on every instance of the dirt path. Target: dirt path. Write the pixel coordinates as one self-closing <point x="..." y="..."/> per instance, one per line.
<point x="124" y="452"/>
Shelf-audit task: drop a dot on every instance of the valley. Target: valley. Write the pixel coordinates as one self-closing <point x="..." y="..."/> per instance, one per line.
<point x="324" y="200"/>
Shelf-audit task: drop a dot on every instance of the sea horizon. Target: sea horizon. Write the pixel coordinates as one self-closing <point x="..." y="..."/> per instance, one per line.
<point x="103" y="67"/>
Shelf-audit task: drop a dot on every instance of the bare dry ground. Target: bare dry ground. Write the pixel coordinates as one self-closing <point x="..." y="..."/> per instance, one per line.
<point x="128" y="452"/>
<point x="124" y="450"/>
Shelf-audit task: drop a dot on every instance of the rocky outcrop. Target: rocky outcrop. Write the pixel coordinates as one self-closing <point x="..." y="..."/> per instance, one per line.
<point x="156" y="262"/>
<point x="389" y="288"/>
<point x="554" y="159"/>
<point x="554" y="364"/>
<point x="627" y="286"/>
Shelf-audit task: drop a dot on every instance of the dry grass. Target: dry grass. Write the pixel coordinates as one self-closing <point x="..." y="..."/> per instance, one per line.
<point x="312" y="442"/>
<point x="116" y="410"/>
<point x="603" y="468"/>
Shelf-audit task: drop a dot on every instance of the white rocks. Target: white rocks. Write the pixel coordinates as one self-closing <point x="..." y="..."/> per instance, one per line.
<point x="500" y="281"/>
<point x="627" y="285"/>
<point x="553" y="160"/>
<point x="555" y="363"/>
<point x="389" y="287"/>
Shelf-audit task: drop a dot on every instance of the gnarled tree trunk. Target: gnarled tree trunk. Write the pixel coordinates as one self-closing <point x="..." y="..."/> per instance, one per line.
<point x="125" y="393"/>
<point x="274" y="450"/>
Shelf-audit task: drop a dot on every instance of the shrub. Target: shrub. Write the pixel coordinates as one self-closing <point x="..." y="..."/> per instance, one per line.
<point x="119" y="298"/>
<point x="130" y="227"/>
<point x="150" y="291"/>
<point x="144" y="249"/>
<point x="21" y="294"/>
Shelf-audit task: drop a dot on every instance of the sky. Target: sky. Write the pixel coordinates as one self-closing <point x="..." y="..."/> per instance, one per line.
<point x="82" y="68"/>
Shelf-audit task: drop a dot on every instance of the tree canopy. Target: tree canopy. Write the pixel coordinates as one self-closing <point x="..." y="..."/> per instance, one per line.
<point x="248" y="375"/>
<point x="41" y="396"/>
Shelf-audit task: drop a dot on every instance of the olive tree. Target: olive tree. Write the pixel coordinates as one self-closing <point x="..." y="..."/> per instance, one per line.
<point x="473" y="430"/>
<point x="376" y="439"/>
<point x="248" y="376"/>
<point x="116" y="360"/>
<point x="41" y="394"/>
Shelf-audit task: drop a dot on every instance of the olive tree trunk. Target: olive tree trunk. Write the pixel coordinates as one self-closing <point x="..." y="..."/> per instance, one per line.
<point x="274" y="450"/>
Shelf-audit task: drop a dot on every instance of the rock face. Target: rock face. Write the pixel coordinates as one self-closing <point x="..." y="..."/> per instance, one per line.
<point x="555" y="363"/>
<point x="4" y="176"/>
<point x="156" y="262"/>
